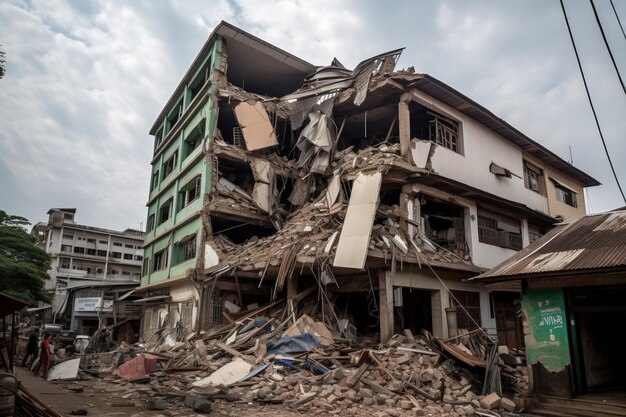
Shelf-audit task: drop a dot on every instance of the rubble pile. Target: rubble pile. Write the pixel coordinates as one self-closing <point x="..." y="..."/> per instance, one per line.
<point x="316" y="222"/>
<point x="308" y="368"/>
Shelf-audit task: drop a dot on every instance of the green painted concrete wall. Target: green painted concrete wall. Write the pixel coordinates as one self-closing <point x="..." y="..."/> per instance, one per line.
<point x="185" y="220"/>
<point x="547" y="342"/>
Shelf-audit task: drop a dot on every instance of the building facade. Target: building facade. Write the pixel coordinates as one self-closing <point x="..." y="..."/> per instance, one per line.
<point x="574" y="283"/>
<point x="385" y="190"/>
<point x="90" y="266"/>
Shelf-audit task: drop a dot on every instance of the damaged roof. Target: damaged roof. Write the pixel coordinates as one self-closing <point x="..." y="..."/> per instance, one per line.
<point x="460" y="102"/>
<point x="594" y="242"/>
<point x="272" y="65"/>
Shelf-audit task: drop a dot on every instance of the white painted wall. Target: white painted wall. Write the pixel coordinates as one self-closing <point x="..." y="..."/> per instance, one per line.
<point x="425" y="279"/>
<point x="481" y="147"/>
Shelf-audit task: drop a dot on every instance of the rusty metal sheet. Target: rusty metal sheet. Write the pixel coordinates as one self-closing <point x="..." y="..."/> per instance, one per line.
<point x="592" y="242"/>
<point x="460" y="355"/>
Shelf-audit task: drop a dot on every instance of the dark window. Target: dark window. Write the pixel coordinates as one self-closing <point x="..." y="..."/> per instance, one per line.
<point x="500" y="231"/>
<point x="158" y="138"/>
<point x="155" y="180"/>
<point x="533" y="178"/>
<point x="170" y="164"/>
<point x="128" y="256"/>
<point x="99" y="270"/>
<point x="70" y="237"/>
<point x="145" y="267"/>
<point x="79" y="250"/>
<point x="102" y="253"/>
<point x="196" y="85"/>
<point x="90" y="240"/>
<point x="116" y="255"/>
<point x="466" y="302"/>
<point x="565" y="195"/>
<point x="104" y="242"/>
<point x="117" y="244"/>
<point x="174" y="116"/>
<point x="66" y="248"/>
<point x="150" y="223"/>
<point x="138" y="257"/>
<point x="160" y="260"/>
<point x="193" y="140"/>
<point x="65" y="263"/>
<point x="444" y="132"/>
<point x="190" y="192"/>
<point x="165" y="212"/>
<point x="189" y="249"/>
<point x="91" y="252"/>
<point x="127" y="245"/>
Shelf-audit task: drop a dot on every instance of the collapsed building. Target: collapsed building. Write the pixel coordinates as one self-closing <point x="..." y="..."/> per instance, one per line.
<point x="369" y="195"/>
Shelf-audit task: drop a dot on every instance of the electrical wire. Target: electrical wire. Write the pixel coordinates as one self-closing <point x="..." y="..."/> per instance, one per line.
<point x="617" y="17"/>
<point x="606" y="43"/>
<point x="595" y="116"/>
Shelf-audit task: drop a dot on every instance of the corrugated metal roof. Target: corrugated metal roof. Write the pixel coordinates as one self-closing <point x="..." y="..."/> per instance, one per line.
<point x="592" y="242"/>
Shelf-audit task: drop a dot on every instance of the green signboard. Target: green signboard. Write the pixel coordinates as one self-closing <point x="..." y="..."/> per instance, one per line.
<point x="547" y="342"/>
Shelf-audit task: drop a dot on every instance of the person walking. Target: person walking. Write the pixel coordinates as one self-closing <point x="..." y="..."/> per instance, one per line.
<point x="31" y="348"/>
<point x="45" y="356"/>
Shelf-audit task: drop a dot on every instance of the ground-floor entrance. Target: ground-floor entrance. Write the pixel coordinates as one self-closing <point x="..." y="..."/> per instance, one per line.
<point x="597" y="339"/>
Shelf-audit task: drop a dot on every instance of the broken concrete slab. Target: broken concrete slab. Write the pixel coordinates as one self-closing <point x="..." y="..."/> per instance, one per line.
<point x="227" y="374"/>
<point x="357" y="227"/>
<point x="65" y="370"/>
<point x="257" y="130"/>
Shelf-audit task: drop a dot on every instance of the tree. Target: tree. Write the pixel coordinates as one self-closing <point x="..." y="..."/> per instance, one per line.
<point x="23" y="266"/>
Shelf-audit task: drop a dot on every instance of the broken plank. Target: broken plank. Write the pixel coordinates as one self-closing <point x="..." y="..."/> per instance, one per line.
<point x="420" y="351"/>
<point x="359" y="373"/>
<point x="379" y="389"/>
<point x="228" y="349"/>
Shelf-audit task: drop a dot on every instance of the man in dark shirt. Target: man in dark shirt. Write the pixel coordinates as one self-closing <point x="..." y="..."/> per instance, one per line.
<point x="31" y="349"/>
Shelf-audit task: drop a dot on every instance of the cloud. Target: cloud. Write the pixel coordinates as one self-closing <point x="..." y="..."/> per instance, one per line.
<point x="85" y="81"/>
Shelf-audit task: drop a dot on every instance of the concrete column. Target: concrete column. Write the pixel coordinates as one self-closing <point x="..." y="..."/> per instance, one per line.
<point x="385" y="305"/>
<point x="404" y="127"/>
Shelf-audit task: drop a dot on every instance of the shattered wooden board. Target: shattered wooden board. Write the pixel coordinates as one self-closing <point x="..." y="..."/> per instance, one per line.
<point x="257" y="130"/>
<point x="357" y="227"/>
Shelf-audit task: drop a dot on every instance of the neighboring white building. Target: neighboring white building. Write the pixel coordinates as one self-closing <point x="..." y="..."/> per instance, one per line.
<point x="89" y="266"/>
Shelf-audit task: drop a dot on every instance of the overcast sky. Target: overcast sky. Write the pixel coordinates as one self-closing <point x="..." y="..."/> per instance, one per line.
<point x="86" y="79"/>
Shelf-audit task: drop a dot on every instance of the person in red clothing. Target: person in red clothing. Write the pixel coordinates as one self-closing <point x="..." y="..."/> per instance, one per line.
<point x="44" y="356"/>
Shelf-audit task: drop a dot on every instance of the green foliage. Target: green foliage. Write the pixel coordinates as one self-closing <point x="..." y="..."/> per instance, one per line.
<point x="23" y="266"/>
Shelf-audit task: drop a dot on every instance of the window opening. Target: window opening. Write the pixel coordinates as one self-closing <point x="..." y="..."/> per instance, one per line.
<point x="165" y="212"/>
<point x="533" y="178"/>
<point x="498" y="230"/>
<point x="427" y="124"/>
<point x="170" y="164"/>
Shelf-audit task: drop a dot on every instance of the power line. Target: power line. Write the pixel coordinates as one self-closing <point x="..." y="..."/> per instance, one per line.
<point x="617" y="17"/>
<point x="606" y="43"/>
<point x="593" y="109"/>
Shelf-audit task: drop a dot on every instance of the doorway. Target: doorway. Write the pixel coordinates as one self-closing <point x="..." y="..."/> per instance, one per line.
<point x="507" y="311"/>
<point x="417" y="311"/>
<point x="596" y="315"/>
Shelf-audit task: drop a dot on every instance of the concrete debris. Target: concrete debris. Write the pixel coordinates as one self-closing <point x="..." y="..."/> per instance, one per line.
<point x="65" y="370"/>
<point x="412" y="374"/>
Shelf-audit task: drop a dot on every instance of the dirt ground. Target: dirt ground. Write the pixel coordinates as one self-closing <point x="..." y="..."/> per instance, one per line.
<point x="99" y="402"/>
